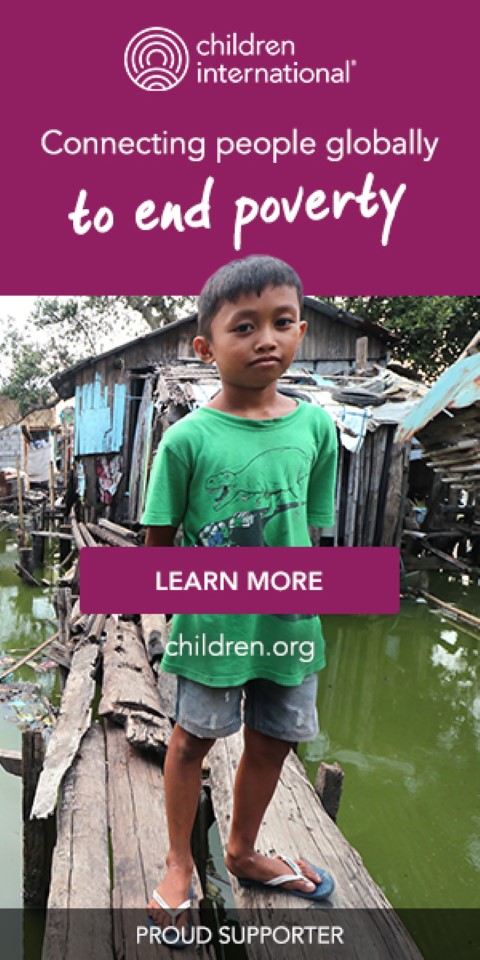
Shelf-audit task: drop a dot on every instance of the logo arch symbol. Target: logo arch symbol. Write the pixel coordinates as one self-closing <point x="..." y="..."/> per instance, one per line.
<point x="156" y="59"/>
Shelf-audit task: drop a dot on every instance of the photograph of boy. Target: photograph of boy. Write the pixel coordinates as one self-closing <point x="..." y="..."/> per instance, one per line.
<point x="253" y="467"/>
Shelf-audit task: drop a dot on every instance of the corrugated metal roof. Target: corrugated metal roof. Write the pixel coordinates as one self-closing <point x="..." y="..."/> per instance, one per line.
<point x="458" y="387"/>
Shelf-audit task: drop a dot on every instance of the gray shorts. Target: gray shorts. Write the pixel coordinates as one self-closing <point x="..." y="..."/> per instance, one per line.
<point x="286" y="713"/>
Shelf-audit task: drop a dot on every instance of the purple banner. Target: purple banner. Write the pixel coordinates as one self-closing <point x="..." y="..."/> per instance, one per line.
<point x="251" y="580"/>
<point x="145" y="145"/>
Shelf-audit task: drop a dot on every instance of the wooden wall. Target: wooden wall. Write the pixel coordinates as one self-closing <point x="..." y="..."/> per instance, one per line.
<point x="330" y="344"/>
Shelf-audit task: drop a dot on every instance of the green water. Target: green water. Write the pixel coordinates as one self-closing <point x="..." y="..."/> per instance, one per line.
<point x="399" y="709"/>
<point x="25" y="620"/>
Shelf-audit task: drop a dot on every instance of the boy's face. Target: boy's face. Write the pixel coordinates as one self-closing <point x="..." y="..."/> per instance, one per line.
<point x="254" y="340"/>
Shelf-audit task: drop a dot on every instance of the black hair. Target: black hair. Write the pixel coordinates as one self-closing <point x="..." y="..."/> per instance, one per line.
<point x="249" y="275"/>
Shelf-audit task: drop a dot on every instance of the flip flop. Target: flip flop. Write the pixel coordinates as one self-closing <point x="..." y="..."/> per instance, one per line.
<point x="323" y="890"/>
<point x="167" y="936"/>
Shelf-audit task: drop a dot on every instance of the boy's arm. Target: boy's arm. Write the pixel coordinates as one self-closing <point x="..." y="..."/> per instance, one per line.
<point x="160" y="536"/>
<point x="321" y="491"/>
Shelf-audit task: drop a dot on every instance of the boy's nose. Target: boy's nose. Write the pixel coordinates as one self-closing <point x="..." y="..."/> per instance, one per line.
<point x="265" y="341"/>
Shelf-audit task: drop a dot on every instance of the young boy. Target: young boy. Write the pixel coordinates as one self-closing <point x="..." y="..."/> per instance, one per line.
<point x="253" y="467"/>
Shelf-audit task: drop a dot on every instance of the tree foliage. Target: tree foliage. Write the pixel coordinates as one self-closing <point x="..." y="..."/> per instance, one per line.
<point x="64" y="331"/>
<point x="30" y="372"/>
<point x="434" y="330"/>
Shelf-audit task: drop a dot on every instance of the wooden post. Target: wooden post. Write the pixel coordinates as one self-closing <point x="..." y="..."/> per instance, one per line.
<point x="203" y="821"/>
<point x="328" y="785"/>
<point x="51" y="494"/>
<point x="65" y="545"/>
<point x="37" y="834"/>
<point x="26" y="559"/>
<point x="21" y="518"/>
<point x="38" y="550"/>
<point x="361" y="355"/>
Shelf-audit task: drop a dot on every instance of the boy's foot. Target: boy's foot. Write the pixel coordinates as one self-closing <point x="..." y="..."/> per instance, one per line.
<point x="260" y="868"/>
<point x="174" y="890"/>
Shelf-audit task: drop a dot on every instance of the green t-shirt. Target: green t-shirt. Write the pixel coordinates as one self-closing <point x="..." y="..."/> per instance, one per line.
<point x="233" y="482"/>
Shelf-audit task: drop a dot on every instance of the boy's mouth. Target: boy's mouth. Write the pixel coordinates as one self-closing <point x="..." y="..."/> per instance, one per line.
<point x="264" y="361"/>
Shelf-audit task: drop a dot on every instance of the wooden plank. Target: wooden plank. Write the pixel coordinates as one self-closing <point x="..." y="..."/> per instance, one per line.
<point x="26" y="576"/>
<point x="138" y="830"/>
<point x="362" y="495"/>
<point x="459" y="564"/>
<point x="53" y="535"/>
<point x="403" y="495"/>
<point x="87" y="536"/>
<point x="296" y="824"/>
<point x="147" y="732"/>
<point x="78" y="922"/>
<point x="128" y="682"/>
<point x="77" y="535"/>
<point x="117" y="528"/>
<point x="82" y="835"/>
<point x="352" y="499"/>
<point x="113" y="539"/>
<point x="167" y="693"/>
<point x="393" y="497"/>
<point x="383" y="465"/>
<point x="97" y="627"/>
<point x="60" y="654"/>
<point x="73" y="722"/>
<point x="338" y="498"/>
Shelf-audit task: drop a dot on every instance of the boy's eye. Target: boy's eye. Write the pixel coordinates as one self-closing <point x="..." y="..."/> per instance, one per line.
<point x="284" y="321"/>
<point x="243" y="328"/>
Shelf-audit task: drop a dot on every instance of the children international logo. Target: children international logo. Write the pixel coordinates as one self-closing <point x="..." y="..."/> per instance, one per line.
<point x="156" y="59"/>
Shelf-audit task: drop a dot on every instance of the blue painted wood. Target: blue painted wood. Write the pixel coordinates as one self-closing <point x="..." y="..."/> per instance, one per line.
<point x="458" y="387"/>
<point x="99" y="417"/>
<point x="119" y="401"/>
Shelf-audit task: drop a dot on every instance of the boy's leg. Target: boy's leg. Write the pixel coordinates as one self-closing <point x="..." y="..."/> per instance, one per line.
<point x="275" y="718"/>
<point x="182" y="777"/>
<point x="257" y="776"/>
<point x="203" y="714"/>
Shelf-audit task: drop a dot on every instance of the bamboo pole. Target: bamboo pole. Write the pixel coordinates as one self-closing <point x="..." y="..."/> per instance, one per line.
<point x="455" y="611"/>
<point x="20" y="663"/>
<point x="41" y="646"/>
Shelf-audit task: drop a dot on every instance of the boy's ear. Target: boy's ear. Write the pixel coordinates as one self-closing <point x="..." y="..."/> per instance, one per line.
<point x="203" y="349"/>
<point x="303" y="329"/>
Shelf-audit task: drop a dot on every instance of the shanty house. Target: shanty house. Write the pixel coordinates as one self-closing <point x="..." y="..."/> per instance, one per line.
<point x="28" y="441"/>
<point x="118" y="400"/>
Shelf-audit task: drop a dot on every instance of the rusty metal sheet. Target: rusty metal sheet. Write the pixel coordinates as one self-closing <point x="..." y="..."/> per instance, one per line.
<point x="458" y="387"/>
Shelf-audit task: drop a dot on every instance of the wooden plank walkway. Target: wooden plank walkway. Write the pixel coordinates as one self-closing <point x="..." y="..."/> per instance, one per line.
<point x="80" y="877"/>
<point x="296" y="824"/>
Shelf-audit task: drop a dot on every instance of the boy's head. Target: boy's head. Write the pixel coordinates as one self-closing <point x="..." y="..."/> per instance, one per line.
<point x="250" y="321"/>
<point x="250" y="275"/>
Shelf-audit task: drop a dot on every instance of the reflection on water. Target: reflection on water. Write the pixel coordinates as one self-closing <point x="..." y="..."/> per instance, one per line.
<point x="399" y="708"/>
